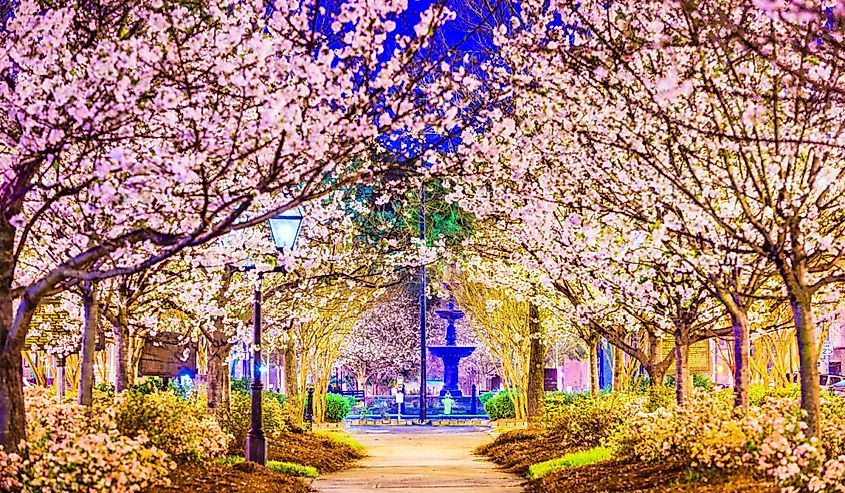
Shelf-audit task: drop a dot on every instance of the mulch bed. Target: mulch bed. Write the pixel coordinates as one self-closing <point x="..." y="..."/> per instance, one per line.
<point x="314" y="450"/>
<point x="620" y="477"/>
<point x="308" y="449"/>
<point x="246" y="477"/>
<point x="515" y="451"/>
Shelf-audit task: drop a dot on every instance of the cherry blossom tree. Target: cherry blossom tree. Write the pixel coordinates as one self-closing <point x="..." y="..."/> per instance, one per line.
<point x="133" y="131"/>
<point x="385" y="341"/>
<point x="669" y="107"/>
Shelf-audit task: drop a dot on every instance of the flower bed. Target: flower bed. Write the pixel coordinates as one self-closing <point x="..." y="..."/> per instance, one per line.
<point x="768" y="440"/>
<point x="708" y="440"/>
<point x="175" y="425"/>
<point x="72" y="448"/>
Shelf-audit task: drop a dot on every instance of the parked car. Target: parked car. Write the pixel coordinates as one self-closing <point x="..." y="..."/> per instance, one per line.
<point x="826" y="380"/>
<point x="829" y="381"/>
<point x="839" y="388"/>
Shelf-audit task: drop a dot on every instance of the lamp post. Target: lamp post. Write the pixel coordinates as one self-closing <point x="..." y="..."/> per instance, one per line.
<point x="284" y="230"/>
<point x="423" y="310"/>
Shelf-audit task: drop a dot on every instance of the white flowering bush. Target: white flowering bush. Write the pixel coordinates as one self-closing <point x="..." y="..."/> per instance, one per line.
<point x="769" y="439"/>
<point x="175" y="425"/>
<point x="72" y="448"/>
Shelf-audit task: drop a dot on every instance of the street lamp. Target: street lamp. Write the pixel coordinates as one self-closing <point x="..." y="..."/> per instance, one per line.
<point x="284" y="230"/>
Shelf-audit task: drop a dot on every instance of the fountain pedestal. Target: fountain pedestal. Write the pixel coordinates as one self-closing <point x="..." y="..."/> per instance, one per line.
<point x="451" y="353"/>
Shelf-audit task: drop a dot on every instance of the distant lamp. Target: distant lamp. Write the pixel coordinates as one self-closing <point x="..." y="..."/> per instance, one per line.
<point x="720" y="368"/>
<point x="285" y="228"/>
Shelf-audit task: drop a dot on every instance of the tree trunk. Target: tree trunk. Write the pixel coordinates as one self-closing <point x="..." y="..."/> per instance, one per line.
<point x="655" y="370"/>
<point x="361" y="382"/>
<point x="122" y="356"/>
<point x="217" y="377"/>
<point x="291" y="377"/>
<point x="620" y="383"/>
<point x="805" y="332"/>
<point x="535" y="400"/>
<point x="594" y="367"/>
<point x="90" y="326"/>
<point x="683" y="384"/>
<point x="12" y="415"/>
<point x="742" y="349"/>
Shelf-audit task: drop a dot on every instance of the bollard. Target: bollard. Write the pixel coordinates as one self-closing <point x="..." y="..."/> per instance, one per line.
<point x="309" y="407"/>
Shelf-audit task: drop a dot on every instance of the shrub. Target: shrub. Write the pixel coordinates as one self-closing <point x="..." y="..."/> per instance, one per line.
<point x="106" y="388"/>
<point x="586" y="421"/>
<point x="702" y="382"/>
<point x="241" y="384"/>
<point x="73" y="448"/>
<point x="486" y="396"/>
<point x="758" y="394"/>
<point x="338" y="408"/>
<point x="292" y="469"/>
<point x="235" y="420"/>
<point x="573" y="459"/>
<point x="280" y="397"/>
<point x="148" y="386"/>
<point x="175" y="425"/>
<point x="500" y="406"/>
<point x="698" y="382"/>
<point x="709" y="434"/>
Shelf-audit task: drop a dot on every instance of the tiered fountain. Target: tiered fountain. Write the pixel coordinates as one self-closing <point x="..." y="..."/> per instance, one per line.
<point x="451" y="353"/>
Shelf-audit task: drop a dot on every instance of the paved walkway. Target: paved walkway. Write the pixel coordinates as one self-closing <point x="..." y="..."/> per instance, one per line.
<point x="421" y="459"/>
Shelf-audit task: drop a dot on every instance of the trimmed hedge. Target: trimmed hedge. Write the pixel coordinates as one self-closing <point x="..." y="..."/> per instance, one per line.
<point x="338" y="408"/>
<point x="498" y="406"/>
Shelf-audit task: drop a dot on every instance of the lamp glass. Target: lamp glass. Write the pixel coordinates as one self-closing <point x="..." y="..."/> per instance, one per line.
<point x="285" y="228"/>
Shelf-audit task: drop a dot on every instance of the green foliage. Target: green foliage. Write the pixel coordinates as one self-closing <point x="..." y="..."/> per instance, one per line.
<point x="582" y="458"/>
<point x="292" y="469"/>
<point x="280" y="397"/>
<point x="186" y="391"/>
<point x="582" y="420"/>
<point x="240" y="384"/>
<point x="758" y="394"/>
<point x="148" y="386"/>
<point x="698" y="381"/>
<point x="177" y="426"/>
<point x="660" y="396"/>
<point x="229" y="460"/>
<point x="106" y="388"/>
<point x="702" y="382"/>
<point x="500" y="406"/>
<point x="399" y="219"/>
<point x="235" y="420"/>
<point x="338" y="408"/>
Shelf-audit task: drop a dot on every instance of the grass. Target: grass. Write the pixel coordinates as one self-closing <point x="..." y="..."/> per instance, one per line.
<point x="229" y="460"/>
<point x="292" y="469"/>
<point x="573" y="459"/>
<point x="342" y="437"/>
<point x="286" y="468"/>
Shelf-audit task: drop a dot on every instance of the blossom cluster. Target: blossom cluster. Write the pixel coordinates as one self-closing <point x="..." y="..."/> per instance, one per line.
<point x="769" y="439"/>
<point x="72" y="448"/>
<point x="174" y="425"/>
